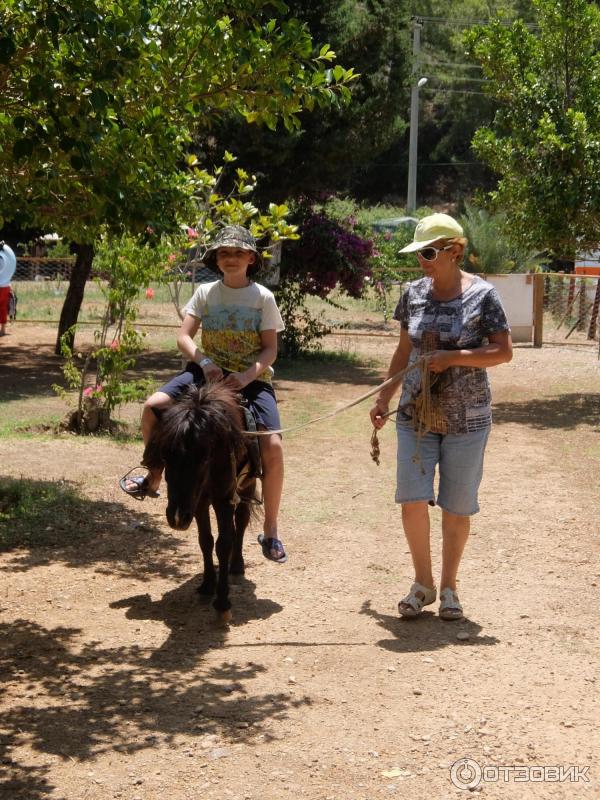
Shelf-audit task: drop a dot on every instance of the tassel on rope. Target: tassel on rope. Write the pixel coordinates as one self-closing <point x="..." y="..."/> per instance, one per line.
<point x="375" y="452"/>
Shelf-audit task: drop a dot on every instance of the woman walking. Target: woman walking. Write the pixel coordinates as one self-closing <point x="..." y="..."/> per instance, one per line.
<point x="457" y="320"/>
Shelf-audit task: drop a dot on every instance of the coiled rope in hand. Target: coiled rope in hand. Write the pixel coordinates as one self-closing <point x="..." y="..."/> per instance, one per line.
<point x="425" y="412"/>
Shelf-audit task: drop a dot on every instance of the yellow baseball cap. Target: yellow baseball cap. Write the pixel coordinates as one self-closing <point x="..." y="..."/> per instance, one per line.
<point x="432" y="228"/>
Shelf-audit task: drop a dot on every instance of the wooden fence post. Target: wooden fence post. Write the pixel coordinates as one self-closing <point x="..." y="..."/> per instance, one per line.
<point x="538" y="309"/>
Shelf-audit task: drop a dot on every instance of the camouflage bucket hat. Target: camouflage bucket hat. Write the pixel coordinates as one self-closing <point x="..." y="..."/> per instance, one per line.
<point x="233" y="236"/>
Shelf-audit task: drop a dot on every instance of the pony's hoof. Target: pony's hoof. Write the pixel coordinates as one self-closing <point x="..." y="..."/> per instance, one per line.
<point x="224" y="618"/>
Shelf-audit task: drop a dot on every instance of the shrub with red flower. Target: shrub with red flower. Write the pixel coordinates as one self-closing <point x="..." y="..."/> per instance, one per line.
<point x="327" y="255"/>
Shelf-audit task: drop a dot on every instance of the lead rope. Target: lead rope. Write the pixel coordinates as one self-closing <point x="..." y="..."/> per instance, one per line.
<point x="423" y="414"/>
<point x="418" y="363"/>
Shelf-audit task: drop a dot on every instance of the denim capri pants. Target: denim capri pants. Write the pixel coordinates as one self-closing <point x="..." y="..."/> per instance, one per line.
<point x="260" y="396"/>
<point x="459" y="458"/>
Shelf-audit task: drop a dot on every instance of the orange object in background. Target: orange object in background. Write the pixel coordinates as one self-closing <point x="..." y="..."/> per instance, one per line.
<point x="593" y="270"/>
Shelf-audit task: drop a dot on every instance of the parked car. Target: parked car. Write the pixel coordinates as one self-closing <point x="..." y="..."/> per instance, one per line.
<point x="391" y="224"/>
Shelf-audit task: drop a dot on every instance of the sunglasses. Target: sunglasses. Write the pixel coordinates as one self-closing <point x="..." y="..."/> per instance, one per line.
<point x="431" y="253"/>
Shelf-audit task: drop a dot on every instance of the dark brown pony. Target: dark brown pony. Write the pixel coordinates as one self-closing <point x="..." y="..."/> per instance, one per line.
<point x="208" y="460"/>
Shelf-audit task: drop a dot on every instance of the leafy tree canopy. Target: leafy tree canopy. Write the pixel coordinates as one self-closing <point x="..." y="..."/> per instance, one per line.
<point x="99" y="100"/>
<point x="335" y="147"/>
<point x="545" y="140"/>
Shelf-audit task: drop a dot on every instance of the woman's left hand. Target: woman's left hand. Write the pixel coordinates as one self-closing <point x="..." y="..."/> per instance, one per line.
<point x="440" y="360"/>
<point x="236" y="380"/>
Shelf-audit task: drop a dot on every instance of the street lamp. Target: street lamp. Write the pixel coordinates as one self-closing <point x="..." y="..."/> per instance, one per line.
<point x="411" y="195"/>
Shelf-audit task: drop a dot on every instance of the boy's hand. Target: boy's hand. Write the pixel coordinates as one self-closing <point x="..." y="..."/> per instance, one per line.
<point x="236" y="380"/>
<point x="212" y="372"/>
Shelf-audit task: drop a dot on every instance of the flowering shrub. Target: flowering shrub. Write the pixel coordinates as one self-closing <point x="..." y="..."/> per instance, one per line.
<point x="328" y="254"/>
<point x="123" y="266"/>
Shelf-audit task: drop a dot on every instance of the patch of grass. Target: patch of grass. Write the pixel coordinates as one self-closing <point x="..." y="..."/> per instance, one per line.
<point x="340" y="357"/>
<point x="29" y="428"/>
<point x="41" y="513"/>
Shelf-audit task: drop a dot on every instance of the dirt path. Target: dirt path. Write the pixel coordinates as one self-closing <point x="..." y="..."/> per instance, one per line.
<point x="117" y="684"/>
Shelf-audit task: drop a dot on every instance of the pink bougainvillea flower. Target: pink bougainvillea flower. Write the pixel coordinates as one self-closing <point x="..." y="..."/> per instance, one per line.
<point x="87" y="392"/>
<point x="114" y="345"/>
<point x="192" y="233"/>
<point x="172" y="257"/>
<point x="149" y="293"/>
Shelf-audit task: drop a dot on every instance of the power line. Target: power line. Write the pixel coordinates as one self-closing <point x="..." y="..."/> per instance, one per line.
<point x="470" y="22"/>
<point x="458" y="78"/>
<point x="453" y="91"/>
<point x="450" y="64"/>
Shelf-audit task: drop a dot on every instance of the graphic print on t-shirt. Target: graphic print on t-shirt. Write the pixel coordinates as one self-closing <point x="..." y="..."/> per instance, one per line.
<point x="460" y="395"/>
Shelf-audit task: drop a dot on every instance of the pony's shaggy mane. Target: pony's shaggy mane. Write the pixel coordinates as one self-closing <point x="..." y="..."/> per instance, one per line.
<point x="200" y="418"/>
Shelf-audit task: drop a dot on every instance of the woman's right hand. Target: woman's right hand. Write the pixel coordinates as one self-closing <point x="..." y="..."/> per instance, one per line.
<point x="376" y="413"/>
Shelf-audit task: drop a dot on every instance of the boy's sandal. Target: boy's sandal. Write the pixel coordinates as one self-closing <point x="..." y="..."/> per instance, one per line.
<point x="271" y="545"/>
<point x="418" y="597"/>
<point x="450" y="607"/>
<point x="138" y="487"/>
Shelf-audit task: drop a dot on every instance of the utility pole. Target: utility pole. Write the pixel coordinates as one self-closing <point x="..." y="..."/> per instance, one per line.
<point x="411" y="195"/>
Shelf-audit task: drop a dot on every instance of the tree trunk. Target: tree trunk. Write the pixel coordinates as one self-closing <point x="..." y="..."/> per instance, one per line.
<point x="70" y="310"/>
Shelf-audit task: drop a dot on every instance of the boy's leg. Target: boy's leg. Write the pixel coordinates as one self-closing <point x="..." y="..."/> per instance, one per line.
<point x="271" y="452"/>
<point x="158" y="400"/>
<point x="263" y="404"/>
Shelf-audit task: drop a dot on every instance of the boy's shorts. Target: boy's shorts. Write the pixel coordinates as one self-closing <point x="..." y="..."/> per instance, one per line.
<point x="259" y="395"/>
<point x="460" y="461"/>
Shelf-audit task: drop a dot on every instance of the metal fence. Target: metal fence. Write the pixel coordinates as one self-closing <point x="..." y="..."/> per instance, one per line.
<point x="572" y="303"/>
<point x="33" y="268"/>
<point x="566" y="306"/>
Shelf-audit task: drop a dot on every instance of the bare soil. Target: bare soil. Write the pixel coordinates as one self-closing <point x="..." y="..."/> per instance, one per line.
<point x="118" y="684"/>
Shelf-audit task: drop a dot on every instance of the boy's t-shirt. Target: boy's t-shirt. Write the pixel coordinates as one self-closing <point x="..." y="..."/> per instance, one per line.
<point x="232" y="320"/>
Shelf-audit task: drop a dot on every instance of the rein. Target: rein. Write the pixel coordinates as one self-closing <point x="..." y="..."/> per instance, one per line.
<point x="420" y="363"/>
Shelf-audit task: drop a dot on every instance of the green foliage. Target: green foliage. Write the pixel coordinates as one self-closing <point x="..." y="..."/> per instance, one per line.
<point x="28" y="513"/>
<point x="491" y="249"/>
<point x="303" y="329"/>
<point x="124" y="265"/>
<point x="545" y="140"/>
<point x="327" y="254"/>
<point x="220" y="198"/>
<point x="77" y="159"/>
<point x="335" y="145"/>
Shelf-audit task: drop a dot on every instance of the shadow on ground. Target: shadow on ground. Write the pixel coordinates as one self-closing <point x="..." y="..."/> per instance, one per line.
<point x="52" y="522"/>
<point x="565" y="411"/>
<point x="75" y="700"/>
<point x="327" y="368"/>
<point x="32" y="373"/>
<point x="426" y="633"/>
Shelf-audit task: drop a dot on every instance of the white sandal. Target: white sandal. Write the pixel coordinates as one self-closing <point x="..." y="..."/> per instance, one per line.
<point x="413" y="603"/>
<point x="450" y="607"/>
